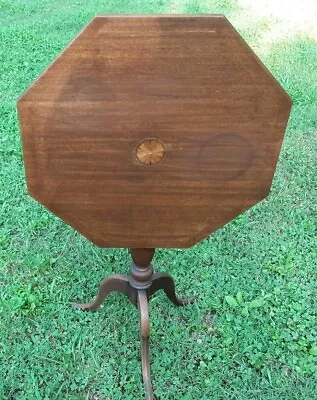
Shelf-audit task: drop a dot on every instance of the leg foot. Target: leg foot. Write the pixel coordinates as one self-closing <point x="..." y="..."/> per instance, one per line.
<point x="116" y="282"/>
<point x="164" y="281"/>
<point x="145" y="336"/>
<point x="143" y="276"/>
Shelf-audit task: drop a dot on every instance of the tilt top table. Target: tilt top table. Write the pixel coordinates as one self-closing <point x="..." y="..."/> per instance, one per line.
<point x="152" y="131"/>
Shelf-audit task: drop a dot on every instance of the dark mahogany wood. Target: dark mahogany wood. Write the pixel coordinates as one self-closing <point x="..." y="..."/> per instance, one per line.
<point x="152" y="131"/>
<point x="139" y="286"/>
<point x="142" y="257"/>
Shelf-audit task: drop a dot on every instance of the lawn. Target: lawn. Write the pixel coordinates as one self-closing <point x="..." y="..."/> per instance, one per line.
<point x="252" y="333"/>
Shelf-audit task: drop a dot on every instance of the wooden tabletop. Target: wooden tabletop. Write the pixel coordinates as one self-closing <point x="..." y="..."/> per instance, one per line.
<point x="152" y="131"/>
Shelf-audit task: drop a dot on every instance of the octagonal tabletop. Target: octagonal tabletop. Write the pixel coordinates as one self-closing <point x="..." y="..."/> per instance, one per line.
<point x="152" y="131"/>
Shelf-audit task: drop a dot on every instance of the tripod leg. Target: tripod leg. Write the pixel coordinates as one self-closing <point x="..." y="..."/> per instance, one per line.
<point x="116" y="282"/>
<point x="143" y="306"/>
<point x="164" y="281"/>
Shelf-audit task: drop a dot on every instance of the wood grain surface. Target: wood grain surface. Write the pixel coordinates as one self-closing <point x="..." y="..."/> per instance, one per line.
<point x="190" y="83"/>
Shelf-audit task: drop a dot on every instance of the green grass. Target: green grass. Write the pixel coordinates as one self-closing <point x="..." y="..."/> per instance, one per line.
<point x="252" y="334"/>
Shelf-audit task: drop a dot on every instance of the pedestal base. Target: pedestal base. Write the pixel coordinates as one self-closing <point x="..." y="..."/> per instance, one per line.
<point x="138" y="290"/>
